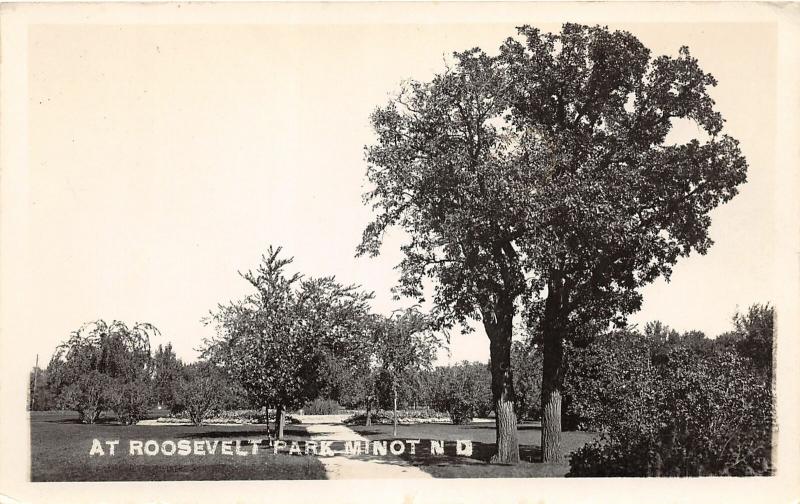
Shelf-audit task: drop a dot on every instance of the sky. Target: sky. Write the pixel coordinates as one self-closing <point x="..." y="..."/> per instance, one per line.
<point x="163" y="159"/>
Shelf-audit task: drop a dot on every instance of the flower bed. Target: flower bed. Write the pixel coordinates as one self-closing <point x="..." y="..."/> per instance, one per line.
<point x="404" y="417"/>
<point x="242" y="417"/>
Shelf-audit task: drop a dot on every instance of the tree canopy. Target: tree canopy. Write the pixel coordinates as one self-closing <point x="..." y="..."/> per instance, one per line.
<point x="104" y="365"/>
<point x="403" y="343"/>
<point x="274" y="340"/>
<point x="542" y="177"/>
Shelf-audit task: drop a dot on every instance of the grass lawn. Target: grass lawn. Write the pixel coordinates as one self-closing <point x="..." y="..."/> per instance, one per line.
<point x="60" y="448"/>
<point x="482" y="436"/>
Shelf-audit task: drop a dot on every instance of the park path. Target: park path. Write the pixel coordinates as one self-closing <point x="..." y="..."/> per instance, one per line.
<point x="325" y="427"/>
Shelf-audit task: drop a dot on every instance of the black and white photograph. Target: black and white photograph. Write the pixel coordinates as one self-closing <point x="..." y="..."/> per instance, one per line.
<point x="418" y="248"/>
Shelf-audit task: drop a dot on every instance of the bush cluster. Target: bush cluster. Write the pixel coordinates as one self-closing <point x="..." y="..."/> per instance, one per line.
<point x="103" y="366"/>
<point x="683" y="409"/>
<point x="129" y="401"/>
<point x="463" y="391"/>
<point x="404" y="417"/>
<point x="240" y="416"/>
<point x="322" y="407"/>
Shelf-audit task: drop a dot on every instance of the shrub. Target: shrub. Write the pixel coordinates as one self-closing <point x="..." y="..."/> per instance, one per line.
<point x="201" y="391"/>
<point x="244" y="417"/>
<point x="463" y="391"/>
<point x="607" y="380"/>
<point x="379" y="417"/>
<point x="86" y="394"/>
<point x="526" y="361"/>
<point x="321" y="407"/>
<point x="129" y="400"/>
<point x="404" y="417"/>
<point x="704" y="415"/>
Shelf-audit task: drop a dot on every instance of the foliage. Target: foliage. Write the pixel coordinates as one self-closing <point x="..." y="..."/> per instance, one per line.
<point x="274" y="341"/>
<point x="129" y="400"/>
<point x="752" y="336"/>
<point x="404" y="344"/>
<point x="404" y="417"/>
<point x="167" y="369"/>
<point x="401" y="345"/>
<point x="695" y="407"/>
<point x="231" y="416"/>
<point x="462" y="391"/>
<point x="200" y="391"/>
<point x="526" y="360"/>
<point x="87" y="371"/>
<point x="544" y="175"/>
<point x="607" y="380"/>
<point x="321" y="407"/>
<point x="84" y="393"/>
<point x="335" y="376"/>
<point x="360" y="390"/>
<point x="235" y="396"/>
<point x="385" y="389"/>
<point x="41" y="398"/>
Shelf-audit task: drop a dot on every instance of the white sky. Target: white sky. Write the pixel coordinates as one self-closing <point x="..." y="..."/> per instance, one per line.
<point x="165" y="158"/>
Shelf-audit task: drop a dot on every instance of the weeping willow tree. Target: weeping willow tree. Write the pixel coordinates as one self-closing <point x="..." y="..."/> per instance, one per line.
<point x="104" y="366"/>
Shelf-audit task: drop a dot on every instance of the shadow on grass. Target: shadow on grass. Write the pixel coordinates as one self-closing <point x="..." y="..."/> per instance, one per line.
<point x="76" y="421"/>
<point x="370" y="432"/>
<point x="491" y="427"/>
<point x="69" y="417"/>
<point x="481" y="454"/>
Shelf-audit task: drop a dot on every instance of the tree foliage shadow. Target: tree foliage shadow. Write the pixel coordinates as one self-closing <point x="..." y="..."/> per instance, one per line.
<point x="108" y="421"/>
<point x="481" y="454"/>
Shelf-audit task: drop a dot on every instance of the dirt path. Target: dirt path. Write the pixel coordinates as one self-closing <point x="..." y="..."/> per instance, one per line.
<point x="324" y="427"/>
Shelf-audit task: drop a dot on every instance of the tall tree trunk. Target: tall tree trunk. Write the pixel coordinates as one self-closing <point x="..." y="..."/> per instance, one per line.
<point x="369" y="413"/>
<point x="280" y="421"/>
<point x="552" y="373"/>
<point x="498" y="325"/>
<point x="394" y="409"/>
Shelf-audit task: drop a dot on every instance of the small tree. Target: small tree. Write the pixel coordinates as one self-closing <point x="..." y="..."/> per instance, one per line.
<point x="362" y="390"/>
<point x="275" y="340"/>
<point x="85" y="393"/>
<point x="200" y="391"/>
<point x="463" y="391"/>
<point x="166" y="375"/>
<point x="129" y="400"/>
<point x="404" y="342"/>
<point x="40" y="398"/>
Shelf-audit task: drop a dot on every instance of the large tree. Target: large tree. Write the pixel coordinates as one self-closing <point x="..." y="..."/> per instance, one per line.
<point x="104" y="365"/>
<point x="541" y="179"/>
